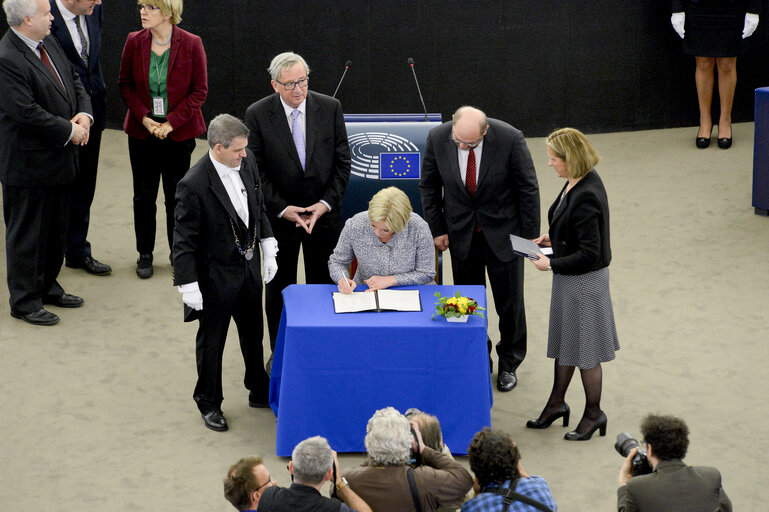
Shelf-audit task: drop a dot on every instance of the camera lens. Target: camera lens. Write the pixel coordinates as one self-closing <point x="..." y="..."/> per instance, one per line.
<point x="625" y="443"/>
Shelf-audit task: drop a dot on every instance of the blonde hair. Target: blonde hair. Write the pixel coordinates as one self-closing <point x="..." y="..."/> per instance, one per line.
<point x="392" y="206"/>
<point x="571" y="146"/>
<point x="172" y="8"/>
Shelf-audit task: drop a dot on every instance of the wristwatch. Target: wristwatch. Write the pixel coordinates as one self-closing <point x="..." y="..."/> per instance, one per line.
<point x="342" y="484"/>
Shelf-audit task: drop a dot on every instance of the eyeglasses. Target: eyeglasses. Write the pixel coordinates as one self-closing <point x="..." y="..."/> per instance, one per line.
<point x="148" y="8"/>
<point x="290" y="86"/>
<point x="470" y="145"/>
<point x="270" y="481"/>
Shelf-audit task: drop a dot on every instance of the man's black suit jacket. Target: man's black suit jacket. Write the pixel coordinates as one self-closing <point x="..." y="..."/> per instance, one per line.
<point x="90" y="72"/>
<point x="35" y="115"/>
<point x="506" y="200"/>
<point x="327" y="157"/>
<point x="204" y="247"/>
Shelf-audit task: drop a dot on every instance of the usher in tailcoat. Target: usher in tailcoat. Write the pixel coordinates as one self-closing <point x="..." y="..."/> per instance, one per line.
<point x="204" y="250"/>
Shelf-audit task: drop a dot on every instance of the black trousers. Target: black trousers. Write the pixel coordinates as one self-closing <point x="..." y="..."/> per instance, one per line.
<point x="316" y="249"/>
<point x="506" y="279"/>
<point x="227" y="298"/>
<point x="83" y="189"/>
<point x="35" y="237"/>
<point x="153" y="159"/>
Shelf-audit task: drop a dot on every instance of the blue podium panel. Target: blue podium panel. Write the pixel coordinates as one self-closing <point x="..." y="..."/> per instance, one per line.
<point x="386" y="150"/>
<point x="761" y="153"/>
<point x="332" y="371"/>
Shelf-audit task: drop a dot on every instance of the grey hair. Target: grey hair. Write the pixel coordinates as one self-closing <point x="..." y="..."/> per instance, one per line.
<point x="224" y="128"/>
<point x="16" y="10"/>
<point x="312" y="459"/>
<point x="285" y="60"/>
<point x="388" y="438"/>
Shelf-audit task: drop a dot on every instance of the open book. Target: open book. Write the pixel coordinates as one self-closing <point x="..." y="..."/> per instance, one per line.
<point x="379" y="300"/>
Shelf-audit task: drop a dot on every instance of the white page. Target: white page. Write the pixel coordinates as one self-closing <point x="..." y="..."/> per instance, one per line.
<point x="399" y="300"/>
<point x="354" y="302"/>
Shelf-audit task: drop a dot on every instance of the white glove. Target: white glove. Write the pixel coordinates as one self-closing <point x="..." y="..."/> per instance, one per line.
<point x="193" y="299"/>
<point x="677" y="19"/>
<point x="751" y="22"/>
<point x="270" y="268"/>
<point x="269" y="251"/>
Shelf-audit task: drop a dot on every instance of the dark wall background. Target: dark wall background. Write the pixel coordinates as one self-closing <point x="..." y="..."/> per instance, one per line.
<point x="599" y="65"/>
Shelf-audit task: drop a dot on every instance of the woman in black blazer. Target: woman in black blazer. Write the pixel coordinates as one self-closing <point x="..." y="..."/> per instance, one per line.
<point x="582" y="331"/>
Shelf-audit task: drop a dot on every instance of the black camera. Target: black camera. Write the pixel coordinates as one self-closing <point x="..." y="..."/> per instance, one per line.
<point x="640" y="463"/>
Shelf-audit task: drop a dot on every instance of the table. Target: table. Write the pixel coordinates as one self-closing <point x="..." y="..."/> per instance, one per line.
<point x="332" y="371"/>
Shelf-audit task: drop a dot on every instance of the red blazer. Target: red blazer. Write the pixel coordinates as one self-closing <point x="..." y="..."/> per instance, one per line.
<point x="187" y="84"/>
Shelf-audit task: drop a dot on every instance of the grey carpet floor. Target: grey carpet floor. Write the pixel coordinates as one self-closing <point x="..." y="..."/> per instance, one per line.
<point x="99" y="415"/>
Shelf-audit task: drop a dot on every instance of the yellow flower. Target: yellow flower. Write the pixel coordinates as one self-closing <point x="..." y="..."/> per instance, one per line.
<point x="452" y="301"/>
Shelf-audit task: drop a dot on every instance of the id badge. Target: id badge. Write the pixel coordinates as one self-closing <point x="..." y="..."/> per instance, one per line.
<point x="157" y="107"/>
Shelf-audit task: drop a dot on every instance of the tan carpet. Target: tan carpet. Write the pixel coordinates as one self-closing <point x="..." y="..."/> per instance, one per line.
<point x="99" y="414"/>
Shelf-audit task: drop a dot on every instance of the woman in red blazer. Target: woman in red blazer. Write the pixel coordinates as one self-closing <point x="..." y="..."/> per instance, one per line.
<point x="163" y="81"/>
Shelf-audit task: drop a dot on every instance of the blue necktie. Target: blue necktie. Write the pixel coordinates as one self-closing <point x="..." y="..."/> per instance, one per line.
<point x="298" y="136"/>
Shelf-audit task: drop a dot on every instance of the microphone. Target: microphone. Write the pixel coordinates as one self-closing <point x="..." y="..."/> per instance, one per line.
<point x="346" y="67"/>
<point x="411" y="64"/>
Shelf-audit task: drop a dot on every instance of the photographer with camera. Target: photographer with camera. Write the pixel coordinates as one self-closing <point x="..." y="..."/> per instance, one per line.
<point x="672" y="486"/>
<point x="385" y="480"/>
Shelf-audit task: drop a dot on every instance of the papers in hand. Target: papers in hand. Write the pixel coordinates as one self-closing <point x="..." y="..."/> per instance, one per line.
<point x="380" y="300"/>
<point x="527" y="248"/>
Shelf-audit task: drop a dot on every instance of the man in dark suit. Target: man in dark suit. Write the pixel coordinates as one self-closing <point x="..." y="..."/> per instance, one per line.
<point x="221" y="224"/>
<point x="299" y="140"/>
<point x="77" y="27"/>
<point x="44" y="114"/>
<point x="672" y="486"/>
<point x="478" y="186"/>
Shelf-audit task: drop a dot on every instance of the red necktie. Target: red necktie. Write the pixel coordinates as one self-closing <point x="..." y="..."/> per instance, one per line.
<point x="470" y="180"/>
<point x="47" y="63"/>
<point x="470" y="176"/>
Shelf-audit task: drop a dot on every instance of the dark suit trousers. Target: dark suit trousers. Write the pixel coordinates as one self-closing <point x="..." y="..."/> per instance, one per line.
<point x="35" y="234"/>
<point x="151" y="160"/>
<point x="83" y="189"/>
<point x="506" y="280"/>
<point x="316" y="249"/>
<point x="230" y="295"/>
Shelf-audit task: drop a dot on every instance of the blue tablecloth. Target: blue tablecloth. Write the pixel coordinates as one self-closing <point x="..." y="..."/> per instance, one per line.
<point x="332" y="371"/>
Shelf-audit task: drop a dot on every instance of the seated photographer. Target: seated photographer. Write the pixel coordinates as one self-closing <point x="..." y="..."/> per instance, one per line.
<point x="385" y="480"/>
<point x="672" y="486"/>
<point x="313" y="463"/>
<point x="501" y="484"/>
<point x="393" y="246"/>
<point x="245" y="482"/>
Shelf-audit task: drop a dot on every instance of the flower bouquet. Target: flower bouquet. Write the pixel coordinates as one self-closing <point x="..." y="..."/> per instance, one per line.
<point x="456" y="308"/>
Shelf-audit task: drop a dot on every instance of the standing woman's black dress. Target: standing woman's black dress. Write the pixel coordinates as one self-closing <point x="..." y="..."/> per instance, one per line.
<point x="713" y="28"/>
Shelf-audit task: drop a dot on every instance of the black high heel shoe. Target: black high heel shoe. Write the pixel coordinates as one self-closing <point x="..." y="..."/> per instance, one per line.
<point x="703" y="142"/>
<point x="600" y="423"/>
<point x="725" y="142"/>
<point x="544" y="423"/>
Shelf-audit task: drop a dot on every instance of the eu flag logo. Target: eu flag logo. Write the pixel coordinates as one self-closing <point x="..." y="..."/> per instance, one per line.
<point x="399" y="166"/>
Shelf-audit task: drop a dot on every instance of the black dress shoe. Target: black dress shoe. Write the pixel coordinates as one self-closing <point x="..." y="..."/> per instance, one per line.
<point x="215" y="421"/>
<point x="506" y="381"/>
<point x="254" y="400"/>
<point x="702" y="142"/>
<point x="64" y="301"/>
<point x="541" y="423"/>
<point x="600" y="423"/>
<point x="724" y="142"/>
<point x="39" y="317"/>
<point x="144" y="266"/>
<point x="91" y="266"/>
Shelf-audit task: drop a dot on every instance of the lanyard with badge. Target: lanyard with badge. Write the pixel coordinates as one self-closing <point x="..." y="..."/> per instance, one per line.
<point x="158" y="105"/>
